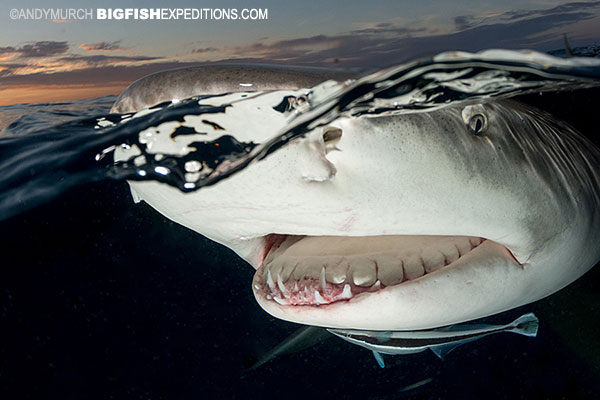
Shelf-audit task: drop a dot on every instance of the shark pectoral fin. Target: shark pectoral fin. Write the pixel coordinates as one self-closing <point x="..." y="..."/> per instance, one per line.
<point x="315" y="165"/>
<point x="442" y="350"/>
<point x="379" y="359"/>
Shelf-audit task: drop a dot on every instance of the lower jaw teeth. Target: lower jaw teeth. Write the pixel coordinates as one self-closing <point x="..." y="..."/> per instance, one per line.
<point x="376" y="286"/>
<point x="319" y="298"/>
<point x="347" y="293"/>
<point x="310" y="292"/>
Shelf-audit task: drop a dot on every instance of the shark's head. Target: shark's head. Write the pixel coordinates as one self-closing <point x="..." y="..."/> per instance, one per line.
<point x="404" y="222"/>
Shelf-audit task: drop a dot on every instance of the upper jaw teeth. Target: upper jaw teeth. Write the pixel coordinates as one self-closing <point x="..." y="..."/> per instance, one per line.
<point x="270" y="282"/>
<point x="322" y="280"/>
<point x="363" y="272"/>
<point x="281" y="301"/>
<point x="320" y="270"/>
<point x="281" y="286"/>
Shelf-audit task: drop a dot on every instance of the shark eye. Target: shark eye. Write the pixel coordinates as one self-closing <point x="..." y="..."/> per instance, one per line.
<point x="475" y="118"/>
<point x="478" y="124"/>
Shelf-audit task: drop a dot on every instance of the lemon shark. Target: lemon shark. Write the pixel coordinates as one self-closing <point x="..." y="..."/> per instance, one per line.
<point x="387" y="222"/>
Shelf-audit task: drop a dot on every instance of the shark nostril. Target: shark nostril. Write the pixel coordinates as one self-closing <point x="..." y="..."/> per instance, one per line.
<point x="331" y="134"/>
<point x="331" y="137"/>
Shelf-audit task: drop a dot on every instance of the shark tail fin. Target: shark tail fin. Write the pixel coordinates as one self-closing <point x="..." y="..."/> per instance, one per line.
<point x="526" y="325"/>
<point x="379" y="359"/>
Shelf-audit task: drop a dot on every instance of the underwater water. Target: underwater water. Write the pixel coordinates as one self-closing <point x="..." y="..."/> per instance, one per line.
<point x="102" y="298"/>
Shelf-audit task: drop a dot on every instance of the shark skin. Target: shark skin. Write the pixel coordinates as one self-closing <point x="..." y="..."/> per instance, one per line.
<point x="216" y="79"/>
<point x="522" y="188"/>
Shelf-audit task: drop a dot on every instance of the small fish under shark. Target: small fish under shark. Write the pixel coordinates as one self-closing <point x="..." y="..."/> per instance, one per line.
<point x="440" y="341"/>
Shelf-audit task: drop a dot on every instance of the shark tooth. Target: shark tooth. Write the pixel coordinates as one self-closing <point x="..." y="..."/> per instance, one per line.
<point x="308" y="267"/>
<point x="336" y="270"/>
<point x="432" y="260"/>
<point x="322" y="282"/>
<point x="287" y="269"/>
<point x="281" y="286"/>
<point x="319" y="298"/>
<point x="463" y="245"/>
<point x="475" y="241"/>
<point x="376" y="286"/>
<point x="413" y="267"/>
<point x="270" y="282"/>
<point x="283" y="302"/>
<point x="347" y="292"/>
<point x="362" y="271"/>
<point x="389" y="269"/>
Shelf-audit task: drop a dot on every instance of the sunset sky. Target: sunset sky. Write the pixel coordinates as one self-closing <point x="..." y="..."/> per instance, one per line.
<point x="46" y="60"/>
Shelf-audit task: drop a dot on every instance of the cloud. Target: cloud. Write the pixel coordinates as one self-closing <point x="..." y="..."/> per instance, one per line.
<point x="21" y="63"/>
<point x="386" y="44"/>
<point x="463" y="22"/>
<point x="205" y="50"/>
<point x="37" y="49"/>
<point x="301" y="50"/>
<point x="103" y="46"/>
<point x="8" y="69"/>
<point x="104" y="60"/>
<point x="388" y="28"/>
<point x="563" y="8"/>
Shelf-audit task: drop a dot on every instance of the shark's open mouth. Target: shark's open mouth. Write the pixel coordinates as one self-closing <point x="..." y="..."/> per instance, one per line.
<point x="321" y="270"/>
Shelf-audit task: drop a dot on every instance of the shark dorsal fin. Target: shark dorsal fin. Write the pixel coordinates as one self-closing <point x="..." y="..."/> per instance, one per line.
<point x="568" y="50"/>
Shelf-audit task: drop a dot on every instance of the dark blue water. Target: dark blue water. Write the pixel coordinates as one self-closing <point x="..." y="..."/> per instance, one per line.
<point x="101" y="298"/>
